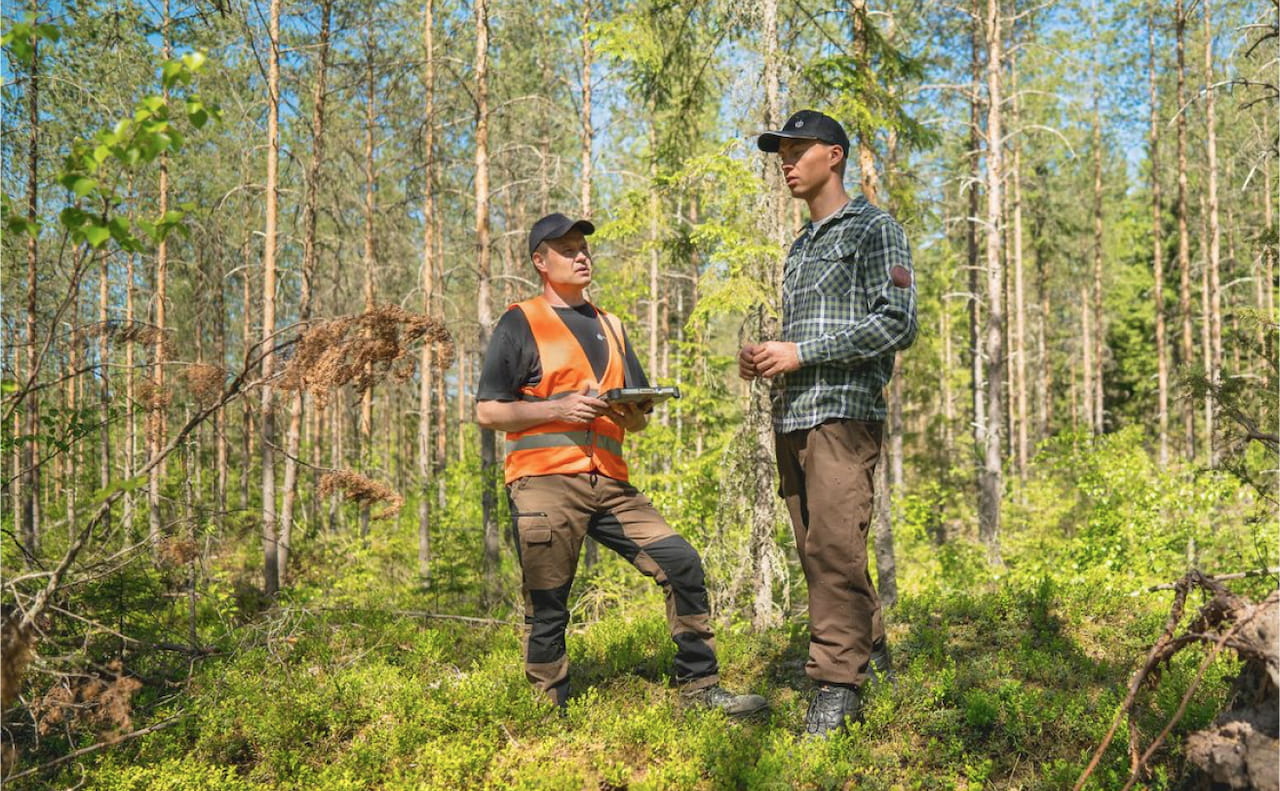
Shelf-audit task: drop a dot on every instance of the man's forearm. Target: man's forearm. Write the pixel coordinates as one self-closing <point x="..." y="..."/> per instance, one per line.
<point x="512" y="416"/>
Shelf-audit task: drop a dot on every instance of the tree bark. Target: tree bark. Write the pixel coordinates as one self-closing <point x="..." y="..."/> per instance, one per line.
<point x="157" y="411"/>
<point x="270" y="547"/>
<point x="1019" y="346"/>
<point x="30" y="472"/>
<point x="1099" y="338"/>
<point x="588" y="57"/>
<point x="992" y="476"/>
<point x="426" y="373"/>
<point x="1213" y="364"/>
<point x="1184" y="237"/>
<point x="484" y="308"/>
<point x="293" y="442"/>
<point x="977" y="379"/>
<point x="758" y="423"/>
<point x="1157" y="249"/>
<point x="369" y="261"/>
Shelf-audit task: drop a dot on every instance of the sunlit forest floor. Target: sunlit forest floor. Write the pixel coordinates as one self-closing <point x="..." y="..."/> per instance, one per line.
<point x="359" y="678"/>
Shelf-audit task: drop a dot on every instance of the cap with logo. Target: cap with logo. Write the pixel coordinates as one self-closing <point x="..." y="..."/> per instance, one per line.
<point x="555" y="225"/>
<point x="807" y="125"/>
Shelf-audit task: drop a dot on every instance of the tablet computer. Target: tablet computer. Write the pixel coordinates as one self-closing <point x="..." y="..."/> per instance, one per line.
<point x="639" y="395"/>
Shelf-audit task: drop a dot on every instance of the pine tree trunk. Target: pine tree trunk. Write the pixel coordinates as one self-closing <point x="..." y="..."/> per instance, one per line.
<point x="270" y="548"/>
<point x="1099" y="338"/>
<point x="758" y="423"/>
<point x="30" y="473"/>
<point x="246" y="413"/>
<point x="368" y="259"/>
<point x="1018" y="348"/>
<point x="156" y="418"/>
<point x="484" y="307"/>
<point x="294" y="438"/>
<point x="1214" y="318"/>
<point x="1157" y="251"/>
<point x="1184" y="237"/>
<point x="977" y="379"/>
<point x="588" y="57"/>
<point x="104" y="387"/>
<point x="426" y="373"/>
<point x="992" y="477"/>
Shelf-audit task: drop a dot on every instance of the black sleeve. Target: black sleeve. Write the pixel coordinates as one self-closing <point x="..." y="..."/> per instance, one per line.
<point x="511" y="361"/>
<point x="634" y="372"/>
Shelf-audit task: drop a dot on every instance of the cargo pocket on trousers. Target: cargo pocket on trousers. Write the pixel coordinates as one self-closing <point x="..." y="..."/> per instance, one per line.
<point x="533" y="530"/>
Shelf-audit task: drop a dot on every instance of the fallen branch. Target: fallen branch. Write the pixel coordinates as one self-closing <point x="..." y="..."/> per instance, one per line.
<point x="1240" y="575"/>
<point x="175" y="719"/>
<point x="1224" y="621"/>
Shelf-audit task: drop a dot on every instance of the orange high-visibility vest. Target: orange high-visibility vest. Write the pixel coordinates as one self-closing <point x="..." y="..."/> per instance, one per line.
<point x="560" y="448"/>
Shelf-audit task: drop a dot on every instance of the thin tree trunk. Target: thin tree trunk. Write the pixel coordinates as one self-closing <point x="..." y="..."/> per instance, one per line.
<point x="426" y="374"/>
<point x="319" y="94"/>
<point x="654" y="210"/>
<point x="1266" y="294"/>
<point x="992" y="477"/>
<point x="104" y="387"/>
<point x="1184" y="237"/>
<point x="484" y="308"/>
<point x="977" y="379"/>
<point x="156" y="418"/>
<point x="130" y="399"/>
<point x="592" y="552"/>
<point x="758" y="424"/>
<point x="270" y="547"/>
<point x="1214" y="318"/>
<point x="588" y="57"/>
<point x="1099" y="338"/>
<point x="1157" y="250"/>
<point x="1019" y="345"/>
<point x="368" y="259"/>
<point x="220" y="417"/>
<point x="1045" y="367"/>
<point x="246" y="413"/>
<point x="30" y="473"/>
<point x="75" y="459"/>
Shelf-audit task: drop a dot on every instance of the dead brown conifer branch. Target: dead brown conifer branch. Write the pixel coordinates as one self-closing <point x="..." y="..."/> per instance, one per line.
<point x="1225" y="621"/>
<point x="361" y="349"/>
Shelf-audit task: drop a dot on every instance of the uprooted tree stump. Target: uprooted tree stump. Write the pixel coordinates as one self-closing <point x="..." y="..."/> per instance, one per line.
<point x="1241" y="749"/>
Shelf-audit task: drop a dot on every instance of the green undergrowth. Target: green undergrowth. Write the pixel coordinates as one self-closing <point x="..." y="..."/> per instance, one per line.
<point x="361" y="675"/>
<point x="1010" y="687"/>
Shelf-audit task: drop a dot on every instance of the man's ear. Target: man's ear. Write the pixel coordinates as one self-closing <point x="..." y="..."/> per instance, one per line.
<point x="539" y="263"/>
<point x="836" y="157"/>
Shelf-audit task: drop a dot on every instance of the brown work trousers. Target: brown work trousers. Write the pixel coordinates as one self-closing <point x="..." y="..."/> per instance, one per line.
<point x="827" y="480"/>
<point x="552" y="515"/>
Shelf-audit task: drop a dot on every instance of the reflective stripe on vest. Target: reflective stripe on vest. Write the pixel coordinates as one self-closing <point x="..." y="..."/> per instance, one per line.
<point x="568" y="448"/>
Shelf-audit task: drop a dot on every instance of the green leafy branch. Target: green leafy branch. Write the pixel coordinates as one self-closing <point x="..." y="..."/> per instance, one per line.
<point x="93" y="170"/>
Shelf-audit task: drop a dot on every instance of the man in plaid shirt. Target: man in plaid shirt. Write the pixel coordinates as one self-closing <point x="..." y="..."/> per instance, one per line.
<point x="848" y="305"/>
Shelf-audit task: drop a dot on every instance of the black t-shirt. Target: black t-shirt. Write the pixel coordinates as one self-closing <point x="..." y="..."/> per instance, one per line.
<point x="512" y="360"/>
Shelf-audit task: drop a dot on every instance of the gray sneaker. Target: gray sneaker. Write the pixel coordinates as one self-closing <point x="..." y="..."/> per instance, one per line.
<point x="830" y="707"/>
<point x="717" y="697"/>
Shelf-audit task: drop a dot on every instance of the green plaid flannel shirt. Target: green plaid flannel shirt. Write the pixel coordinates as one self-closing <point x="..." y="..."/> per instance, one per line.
<point x="848" y="303"/>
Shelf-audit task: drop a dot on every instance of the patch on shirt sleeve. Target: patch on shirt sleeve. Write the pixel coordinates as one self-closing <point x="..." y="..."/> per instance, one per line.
<point x="901" y="276"/>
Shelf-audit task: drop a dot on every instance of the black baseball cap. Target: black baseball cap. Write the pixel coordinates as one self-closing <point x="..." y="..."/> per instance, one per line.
<point x="807" y="125"/>
<point x="555" y="225"/>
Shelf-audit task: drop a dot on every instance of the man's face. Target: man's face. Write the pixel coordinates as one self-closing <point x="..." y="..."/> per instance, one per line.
<point x="565" y="261"/>
<point x="806" y="165"/>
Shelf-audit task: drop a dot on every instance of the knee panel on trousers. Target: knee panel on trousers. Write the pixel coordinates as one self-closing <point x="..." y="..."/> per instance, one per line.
<point x="547" y="623"/>
<point x="683" y="569"/>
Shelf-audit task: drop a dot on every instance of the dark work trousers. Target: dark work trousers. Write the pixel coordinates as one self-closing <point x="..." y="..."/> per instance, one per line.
<point x="553" y="514"/>
<point x="827" y="480"/>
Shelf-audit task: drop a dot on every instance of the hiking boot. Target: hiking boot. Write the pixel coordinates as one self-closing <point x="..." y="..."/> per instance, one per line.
<point x="880" y="668"/>
<point x="717" y="697"/>
<point x="830" y="708"/>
